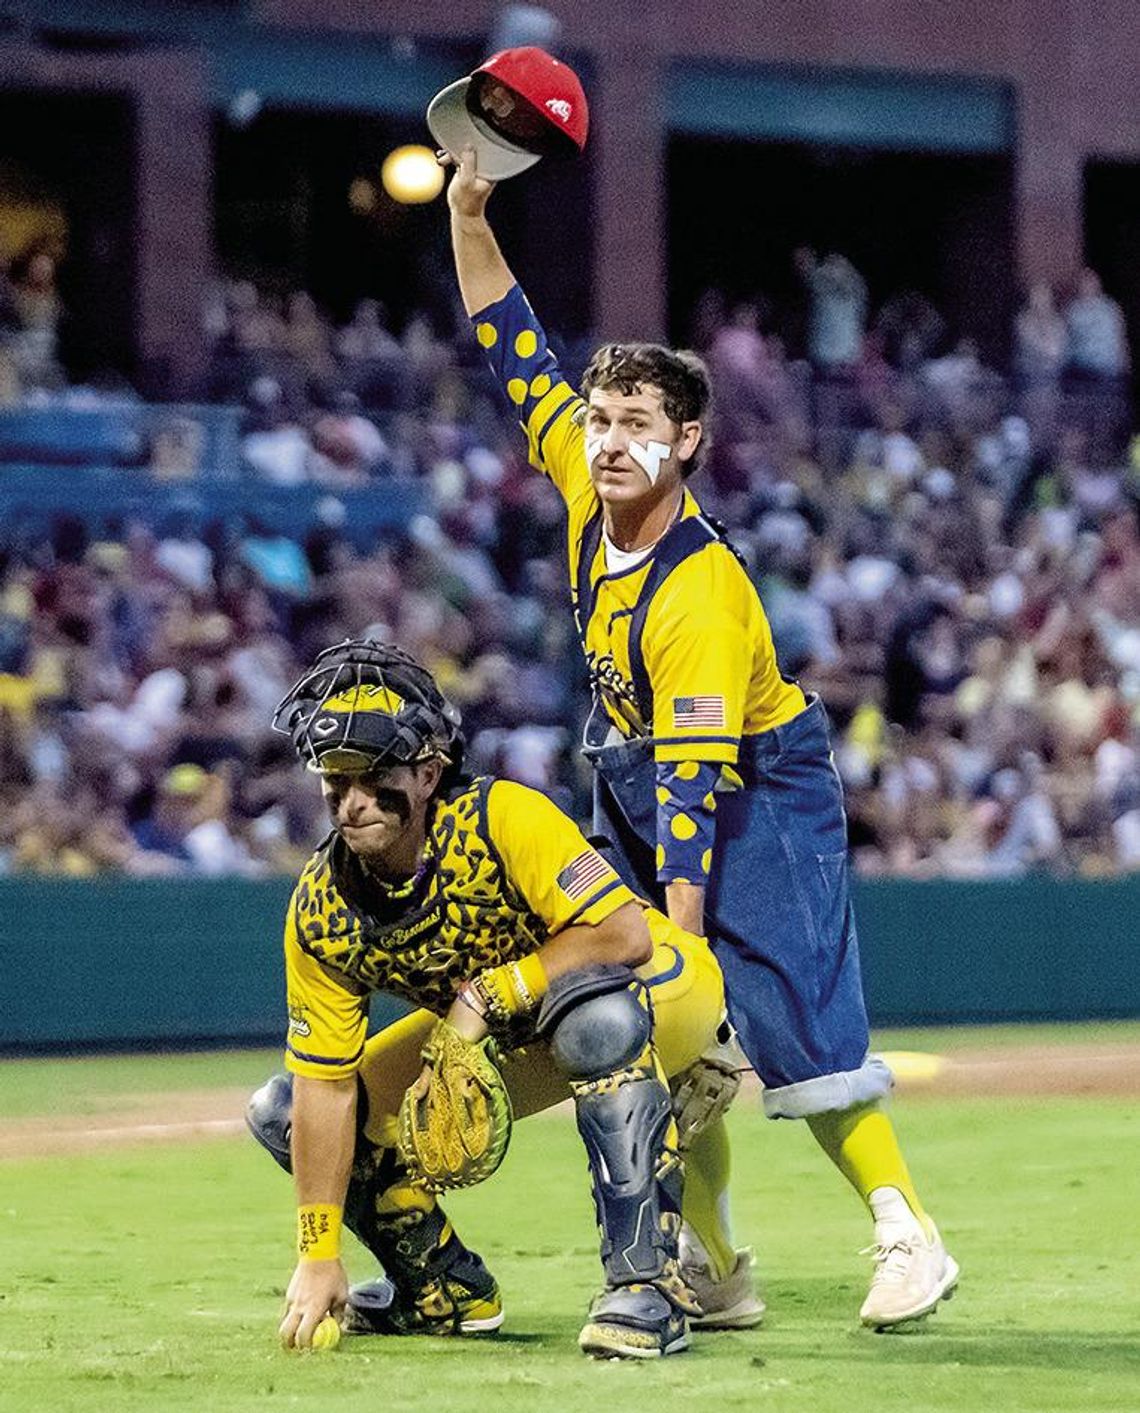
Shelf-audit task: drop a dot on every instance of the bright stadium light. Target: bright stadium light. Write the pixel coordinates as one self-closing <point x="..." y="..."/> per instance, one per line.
<point x="411" y="175"/>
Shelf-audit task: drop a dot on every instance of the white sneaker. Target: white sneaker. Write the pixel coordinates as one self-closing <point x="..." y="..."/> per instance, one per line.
<point x="913" y="1271"/>
<point x="727" y="1304"/>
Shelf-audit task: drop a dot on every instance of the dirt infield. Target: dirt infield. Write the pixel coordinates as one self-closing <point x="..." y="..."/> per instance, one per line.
<point x="146" y="1118"/>
<point x="1103" y="1071"/>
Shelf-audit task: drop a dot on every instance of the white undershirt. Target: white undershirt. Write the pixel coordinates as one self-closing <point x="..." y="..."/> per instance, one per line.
<point x="619" y="560"/>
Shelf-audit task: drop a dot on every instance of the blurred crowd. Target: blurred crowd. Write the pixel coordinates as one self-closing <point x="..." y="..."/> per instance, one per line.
<point x="949" y="554"/>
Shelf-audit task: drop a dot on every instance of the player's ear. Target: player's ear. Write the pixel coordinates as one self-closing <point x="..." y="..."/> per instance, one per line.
<point x="690" y="439"/>
<point x="428" y="775"/>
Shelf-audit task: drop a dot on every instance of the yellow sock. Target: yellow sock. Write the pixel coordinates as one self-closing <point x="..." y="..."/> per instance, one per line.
<point x="861" y="1142"/>
<point x="705" y="1206"/>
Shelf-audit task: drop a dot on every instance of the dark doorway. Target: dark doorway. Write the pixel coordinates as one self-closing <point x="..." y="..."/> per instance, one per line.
<point x="67" y="172"/>
<point x="1112" y="239"/>
<point x="299" y="206"/>
<point x="940" y="225"/>
<point x="284" y="220"/>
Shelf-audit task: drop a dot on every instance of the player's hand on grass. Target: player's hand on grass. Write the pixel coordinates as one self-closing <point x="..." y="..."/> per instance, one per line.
<point x="468" y="193"/>
<point x="318" y="1288"/>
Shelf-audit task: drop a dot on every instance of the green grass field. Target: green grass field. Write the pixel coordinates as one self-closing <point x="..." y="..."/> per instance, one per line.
<point x="151" y="1278"/>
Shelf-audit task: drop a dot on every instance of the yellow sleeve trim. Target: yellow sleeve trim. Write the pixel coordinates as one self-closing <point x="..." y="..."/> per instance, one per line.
<point x="717" y="752"/>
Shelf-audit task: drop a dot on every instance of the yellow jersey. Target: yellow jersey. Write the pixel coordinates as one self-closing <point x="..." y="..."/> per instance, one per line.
<point x="506" y="869"/>
<point x="694" y="668"/>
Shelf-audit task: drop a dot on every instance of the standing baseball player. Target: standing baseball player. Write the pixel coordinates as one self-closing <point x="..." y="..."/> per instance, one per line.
<point x="713" y="773"/>
<point x="481" y="903"/>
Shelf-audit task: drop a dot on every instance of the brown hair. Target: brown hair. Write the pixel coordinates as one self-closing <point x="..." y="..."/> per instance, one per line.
<point x="680" y="375"/>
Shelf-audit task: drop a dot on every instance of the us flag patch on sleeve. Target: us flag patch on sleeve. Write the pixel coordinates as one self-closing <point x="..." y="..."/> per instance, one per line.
<point x="698" y="711"/>
<point x="580" y="874"/>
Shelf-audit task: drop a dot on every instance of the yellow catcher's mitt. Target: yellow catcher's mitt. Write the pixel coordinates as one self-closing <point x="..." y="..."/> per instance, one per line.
<point x="457" y="1133"/>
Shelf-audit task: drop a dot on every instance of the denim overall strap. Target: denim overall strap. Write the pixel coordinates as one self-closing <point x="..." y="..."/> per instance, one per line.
<point x="584" y="594"/>
<point x="685" y="538"/>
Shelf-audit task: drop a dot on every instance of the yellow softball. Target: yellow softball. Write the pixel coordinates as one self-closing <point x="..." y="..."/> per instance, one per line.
<point x="327" y="1334"/>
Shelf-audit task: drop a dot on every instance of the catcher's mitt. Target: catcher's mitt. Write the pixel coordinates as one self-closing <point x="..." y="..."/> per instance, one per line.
<point x="457" y="1133"/>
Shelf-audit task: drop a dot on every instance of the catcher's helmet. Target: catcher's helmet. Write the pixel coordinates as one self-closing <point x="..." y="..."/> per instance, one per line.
<point x="522" y="104"/>
<point x="365" y="704"/>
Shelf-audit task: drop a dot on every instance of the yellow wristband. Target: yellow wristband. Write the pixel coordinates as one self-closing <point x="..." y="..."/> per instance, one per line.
<point x="529" y="977"/>
<point x="514" y="989"/>
<point x="318" y="1231"/>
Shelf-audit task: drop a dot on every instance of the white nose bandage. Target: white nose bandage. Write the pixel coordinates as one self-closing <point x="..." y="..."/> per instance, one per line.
<point x="649" y="456"/>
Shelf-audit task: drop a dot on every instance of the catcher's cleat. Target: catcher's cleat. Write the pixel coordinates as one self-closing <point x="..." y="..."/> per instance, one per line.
<point x="458" y="1303"/>
<point x="730" y="1303"/>
<point x="913" y="1270"/>
<point x="633" y="1322"/>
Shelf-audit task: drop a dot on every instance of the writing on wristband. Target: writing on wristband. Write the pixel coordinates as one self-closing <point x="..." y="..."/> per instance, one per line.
<point x="514" y="989"/>
<point x="318" y="1231"/>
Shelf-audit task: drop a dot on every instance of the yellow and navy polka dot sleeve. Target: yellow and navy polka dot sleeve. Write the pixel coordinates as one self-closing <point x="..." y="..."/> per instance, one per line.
<point x="528" y="374"/>
<point x="686" y="818"/>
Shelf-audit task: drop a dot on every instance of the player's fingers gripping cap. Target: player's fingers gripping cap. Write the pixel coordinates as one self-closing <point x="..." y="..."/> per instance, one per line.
<point x="365" y="704"/>
<point x="521" y="105"/>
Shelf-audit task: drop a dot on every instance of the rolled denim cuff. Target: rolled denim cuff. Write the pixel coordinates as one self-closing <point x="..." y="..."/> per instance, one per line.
<point x="828" y="1092"/>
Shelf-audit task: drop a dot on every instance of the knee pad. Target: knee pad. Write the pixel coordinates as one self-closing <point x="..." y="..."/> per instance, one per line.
<point x="600" y="1026"/>
<point x="269" y="1117"/>
<point x="603" y="1033"/>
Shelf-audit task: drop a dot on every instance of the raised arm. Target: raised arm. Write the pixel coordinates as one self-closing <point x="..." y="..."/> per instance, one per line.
<point x="484" y="276"/>
<point x="508" y="331"/>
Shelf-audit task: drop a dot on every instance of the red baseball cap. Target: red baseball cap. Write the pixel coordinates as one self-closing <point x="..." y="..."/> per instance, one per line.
<point x="520" y="106"/>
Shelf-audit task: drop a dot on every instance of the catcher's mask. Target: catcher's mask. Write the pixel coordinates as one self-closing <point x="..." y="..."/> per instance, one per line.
<point x="365" y="705"/>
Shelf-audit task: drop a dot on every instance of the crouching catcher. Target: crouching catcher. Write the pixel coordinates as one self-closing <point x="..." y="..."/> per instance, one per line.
<point x="536" y="974"/>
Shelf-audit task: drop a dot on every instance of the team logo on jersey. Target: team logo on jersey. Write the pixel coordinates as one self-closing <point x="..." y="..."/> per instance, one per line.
<point x="607" y="680"/>
<point x="298" y="1021"/>
<point x="413" y="932"/>
<point x="366" y="697"/>
<point x="582" y="873"/>
<point x="697" y="711"/>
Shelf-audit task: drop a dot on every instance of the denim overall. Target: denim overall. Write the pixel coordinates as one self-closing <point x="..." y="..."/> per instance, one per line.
<point x="777" y="909"/>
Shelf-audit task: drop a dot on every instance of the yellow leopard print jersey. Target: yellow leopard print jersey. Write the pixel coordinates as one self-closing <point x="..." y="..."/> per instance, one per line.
<point x="506" y="869"/>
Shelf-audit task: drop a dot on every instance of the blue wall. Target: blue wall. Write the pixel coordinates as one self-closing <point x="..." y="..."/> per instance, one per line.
<point x="842" y="108"/>
<point x="1027" y="949"/>
<point x="369" y="73"/>
<point x="121" y="963"/>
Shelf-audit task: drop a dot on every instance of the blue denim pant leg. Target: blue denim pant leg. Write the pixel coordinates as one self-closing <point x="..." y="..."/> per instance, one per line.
<point x="778" y="912"/>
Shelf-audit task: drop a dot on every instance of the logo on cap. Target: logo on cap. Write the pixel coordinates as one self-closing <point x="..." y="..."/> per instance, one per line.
<point x="367" y="697"/>
<point x="559" y="107"/>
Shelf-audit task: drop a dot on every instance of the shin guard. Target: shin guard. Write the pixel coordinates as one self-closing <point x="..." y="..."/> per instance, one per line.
<point x="603" y="1042"/>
